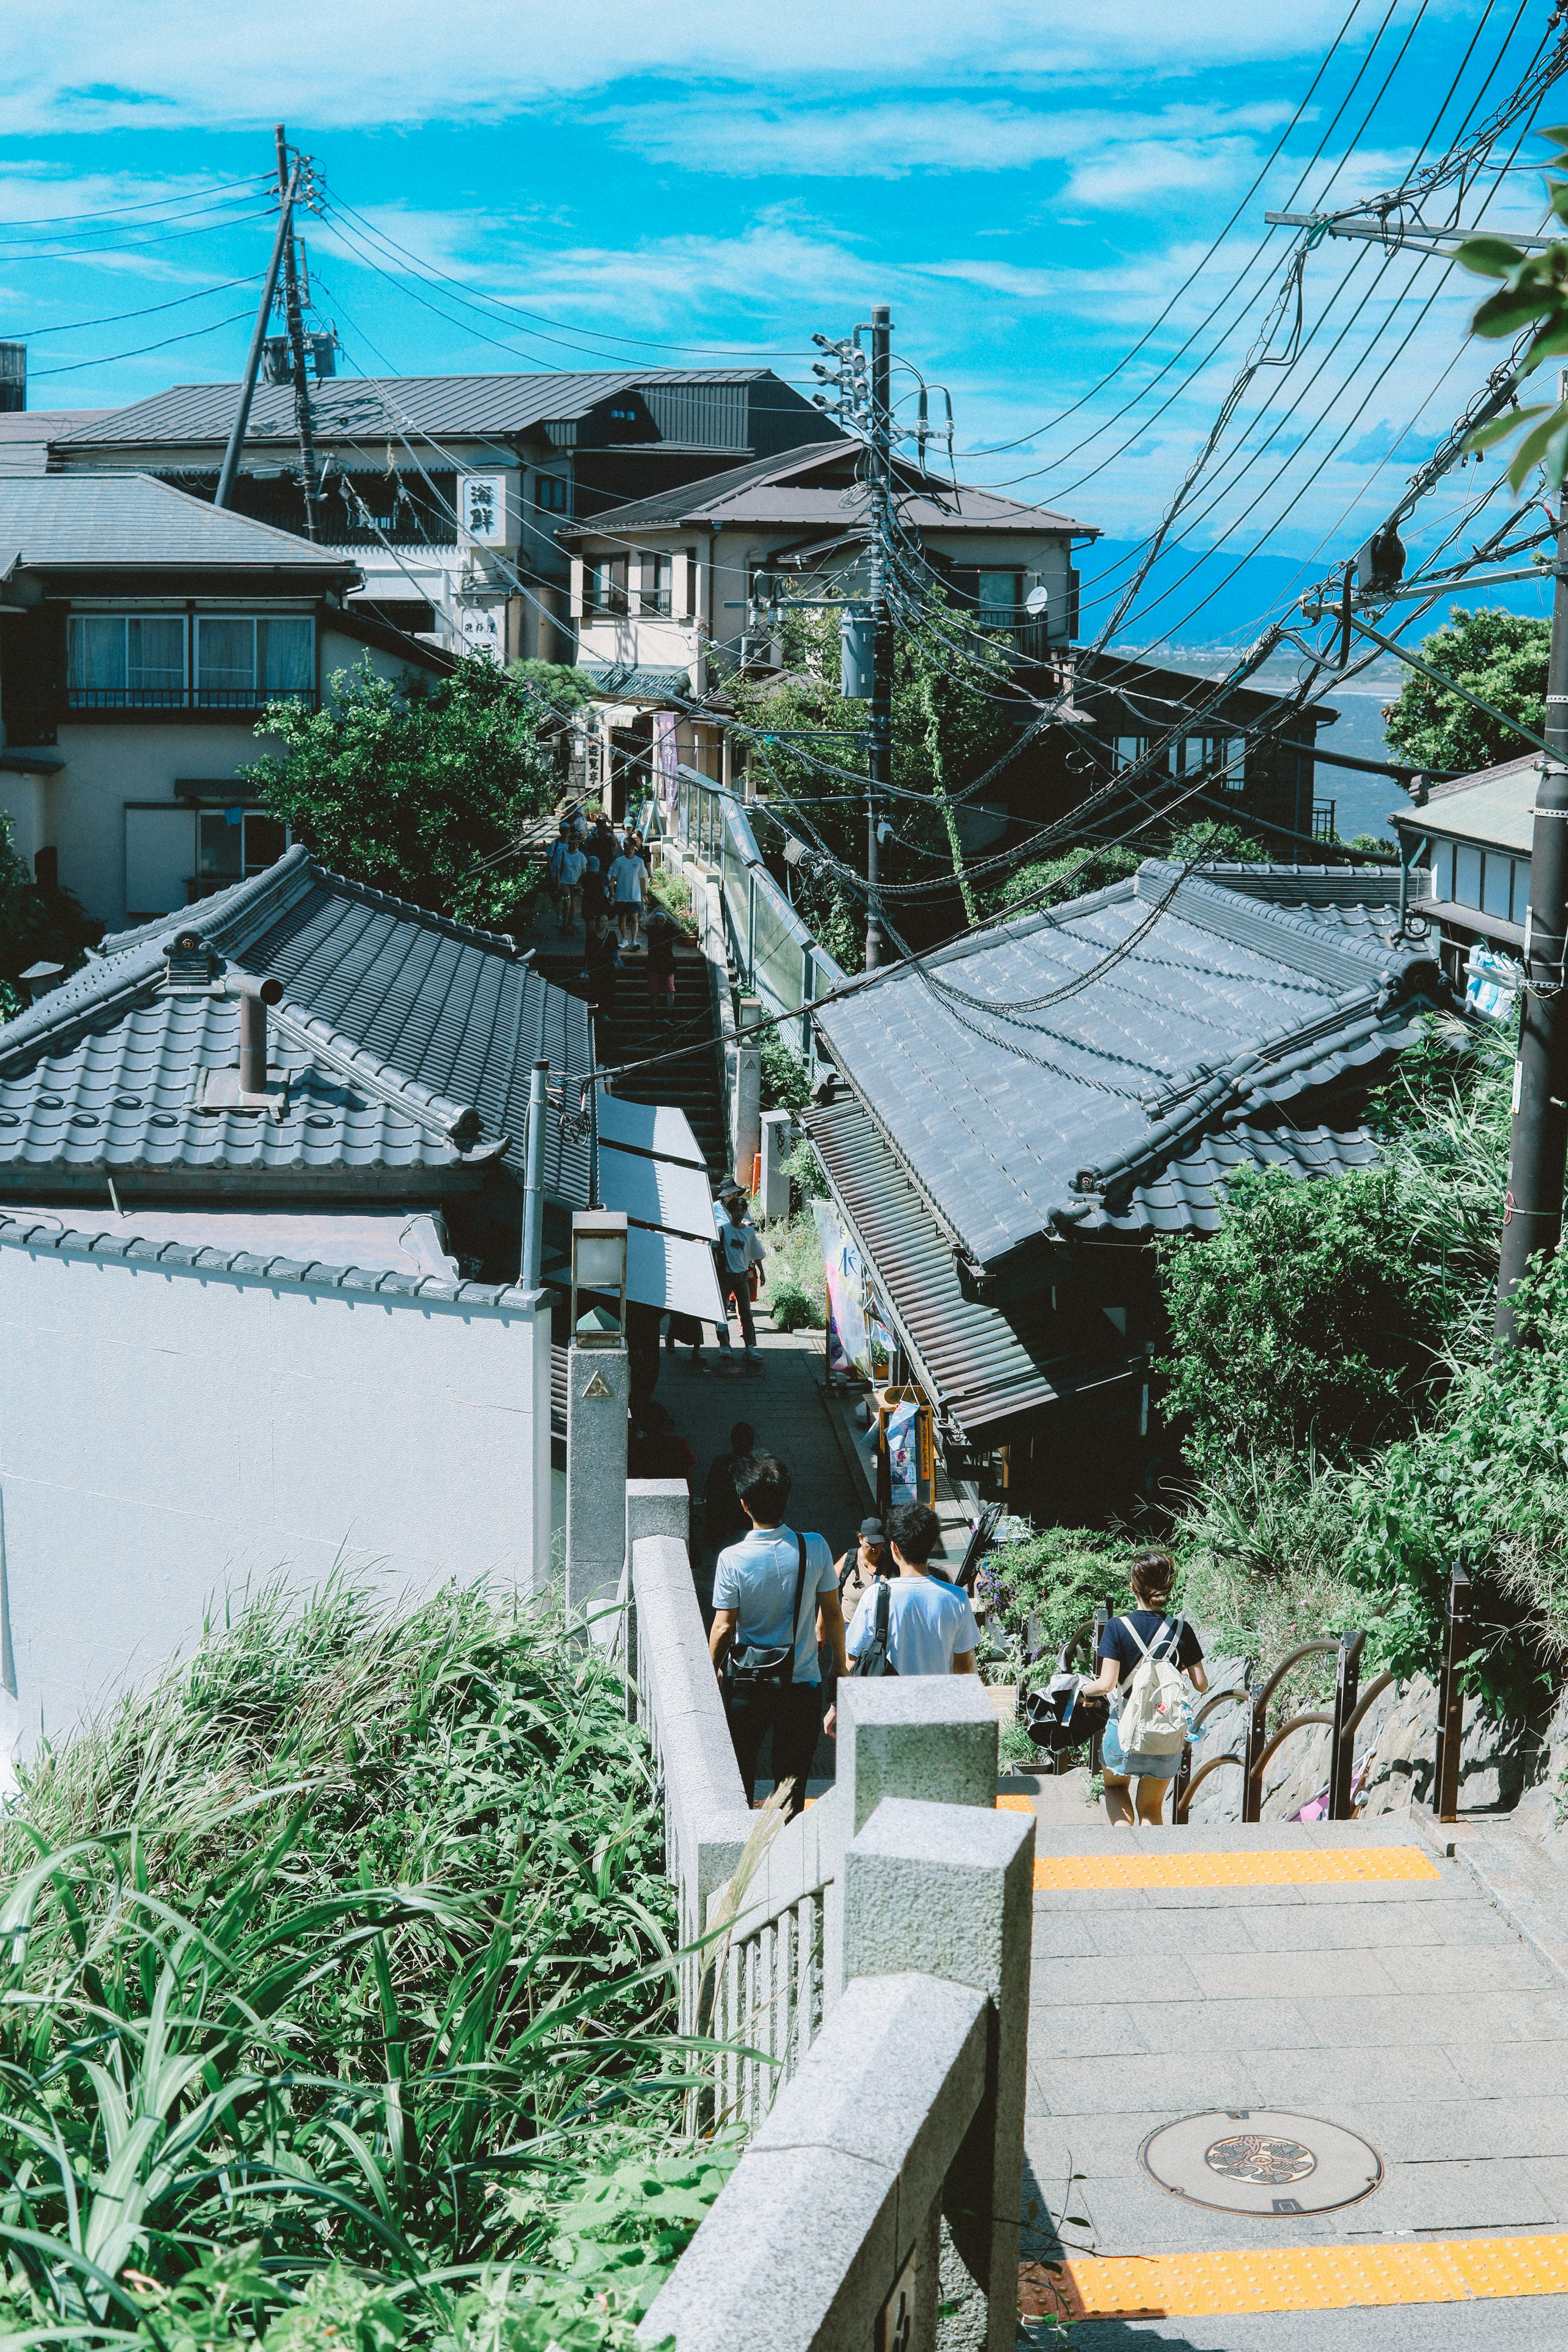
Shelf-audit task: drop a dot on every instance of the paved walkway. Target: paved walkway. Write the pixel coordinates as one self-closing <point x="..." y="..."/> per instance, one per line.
<point x="1357" y="1976"/>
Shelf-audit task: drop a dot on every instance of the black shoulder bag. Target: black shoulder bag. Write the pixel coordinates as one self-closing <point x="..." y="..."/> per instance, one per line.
<point x="874" y="1659"/>
<point x="750" y="1671"/>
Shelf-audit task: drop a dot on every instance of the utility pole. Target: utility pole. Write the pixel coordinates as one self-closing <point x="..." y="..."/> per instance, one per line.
<point x="296" y="326"/>
<point x="1532" y="1207"/>
<point x="880" y="761"/>
<point x="284" y="238"/>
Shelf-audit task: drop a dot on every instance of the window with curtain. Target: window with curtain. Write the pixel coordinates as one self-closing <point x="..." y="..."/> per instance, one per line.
<point x="126" y="657"/>
<point x="225" y="654"/>
<point x="605" y="586"/>
<point x="288" y="653"/>
<point x="1442" y="869"/>
<point x="655" y="576"/>
<point x="1521" y="889"/>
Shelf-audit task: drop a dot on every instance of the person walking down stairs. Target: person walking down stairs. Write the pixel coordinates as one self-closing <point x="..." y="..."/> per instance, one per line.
<point x="737" y="1247"/>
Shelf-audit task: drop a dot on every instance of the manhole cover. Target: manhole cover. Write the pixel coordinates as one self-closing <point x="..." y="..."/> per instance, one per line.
<point x="1261" y="2162"/>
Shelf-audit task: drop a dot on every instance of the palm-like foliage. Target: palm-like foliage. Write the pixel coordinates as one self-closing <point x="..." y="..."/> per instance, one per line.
<point x="333" y="1966"/>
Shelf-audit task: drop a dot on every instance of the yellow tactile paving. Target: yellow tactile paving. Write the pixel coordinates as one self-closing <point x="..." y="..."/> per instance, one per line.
<point x="1302" y="1866"/>
<point x="1296" y="2278"/>
<point x="1014" y="1804"/>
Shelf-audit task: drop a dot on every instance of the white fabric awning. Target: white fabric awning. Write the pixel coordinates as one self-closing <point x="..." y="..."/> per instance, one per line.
<point x="650" y="1170"/>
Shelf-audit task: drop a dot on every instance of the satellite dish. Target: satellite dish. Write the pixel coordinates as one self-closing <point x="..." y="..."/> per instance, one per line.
<point x="1034" y="603"/>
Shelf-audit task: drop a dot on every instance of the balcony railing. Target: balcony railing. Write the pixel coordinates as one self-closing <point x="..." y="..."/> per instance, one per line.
<point x="186" y="698"/>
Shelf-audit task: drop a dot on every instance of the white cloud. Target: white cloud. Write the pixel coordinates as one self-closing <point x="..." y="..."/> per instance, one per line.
<point x="74" y="65"/>
<point x="959" y="132"/>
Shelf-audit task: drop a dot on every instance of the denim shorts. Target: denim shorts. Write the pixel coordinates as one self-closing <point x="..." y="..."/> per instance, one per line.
<point x="1136" y="1767"/>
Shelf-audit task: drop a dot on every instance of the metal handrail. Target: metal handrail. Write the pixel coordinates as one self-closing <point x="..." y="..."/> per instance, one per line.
<point x="1375" y="1690"/>
<point x="1185" y="1796"/>
<point x="1315" y="1715"/>
<point x="1307" y="1650"/>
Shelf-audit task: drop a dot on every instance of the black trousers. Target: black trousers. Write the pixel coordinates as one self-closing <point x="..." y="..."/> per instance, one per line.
<point x="794" y="1718"/>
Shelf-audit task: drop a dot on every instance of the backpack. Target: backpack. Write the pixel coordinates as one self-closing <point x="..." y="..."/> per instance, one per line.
<point x="874" y="1659"/>
<point x="1153" y="1720"/>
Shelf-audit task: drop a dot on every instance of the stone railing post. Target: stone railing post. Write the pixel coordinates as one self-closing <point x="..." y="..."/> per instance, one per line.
<point x="598" y="1386"/>
<point x="924" y="1737"/>
<point x="655" y="1507"/>
<point x="950" y="1892"/>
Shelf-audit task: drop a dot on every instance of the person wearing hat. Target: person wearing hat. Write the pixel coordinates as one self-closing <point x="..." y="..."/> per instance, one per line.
<point x="737" y="1248"/>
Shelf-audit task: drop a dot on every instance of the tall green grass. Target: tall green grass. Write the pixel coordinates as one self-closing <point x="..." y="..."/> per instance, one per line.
<point x="335" y="1998"/>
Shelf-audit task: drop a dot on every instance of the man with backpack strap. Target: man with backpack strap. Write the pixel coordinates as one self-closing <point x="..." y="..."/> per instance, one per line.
<point x="1150" y="1651"/>
<point x="767" y="1592"/>
<point x="915" y="1622"/>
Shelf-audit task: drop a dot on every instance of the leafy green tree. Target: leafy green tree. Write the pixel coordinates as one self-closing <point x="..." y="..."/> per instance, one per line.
<point x="954" y="712"/>
<point x="1500" y="657"/>
<point x="1298" y="1325"/>
<point x="421" y="791"/>
<point x="1050" y="882"/>
<point x="36" y="926"/>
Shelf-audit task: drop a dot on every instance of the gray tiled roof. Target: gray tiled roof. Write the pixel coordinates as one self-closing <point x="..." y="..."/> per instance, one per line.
<point x="464" y="405"/>
<point x="29" y="1231"/>
<point x="1178" y="1013"/>
<point x="767" y="490"/>
<point x="636" y="680"/>
<point x="420" y="1033"/>
<point x="133" y="521"/>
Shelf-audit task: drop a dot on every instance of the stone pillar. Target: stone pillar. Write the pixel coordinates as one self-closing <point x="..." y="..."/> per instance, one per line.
<point x="778" y="1132"/>
<point x="748" y="1092"/>
<point x="655" y="1507"/>
<point x="951" y="1894"/>
<point x="598" y="1392"/>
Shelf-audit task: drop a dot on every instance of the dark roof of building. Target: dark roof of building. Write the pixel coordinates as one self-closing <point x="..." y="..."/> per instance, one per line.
<point x="120" y="1241"/>
<point x="463" y="406"/>
<point x="1092" y="1068"/>
<point x="408" y="1038"/>
<point x="805" y="490"/>
<point x="1141" y="698"/>
<point x="123" y="522"/>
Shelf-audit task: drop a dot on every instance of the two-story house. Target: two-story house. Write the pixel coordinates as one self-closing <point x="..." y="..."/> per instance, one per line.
<point x="447" y="492"/>
<point x="143" y="636"/>
<point x="661" y="586"/>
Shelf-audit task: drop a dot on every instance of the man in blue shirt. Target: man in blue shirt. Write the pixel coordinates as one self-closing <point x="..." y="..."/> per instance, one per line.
<point x="755" y="1585"/>
<point x="931" y="1625"/>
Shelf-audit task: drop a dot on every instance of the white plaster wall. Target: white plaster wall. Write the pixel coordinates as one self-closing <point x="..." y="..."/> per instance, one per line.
<point x="164" y="1435"/>
<point x="24" y="800"/>
<point x="107" y="765"/>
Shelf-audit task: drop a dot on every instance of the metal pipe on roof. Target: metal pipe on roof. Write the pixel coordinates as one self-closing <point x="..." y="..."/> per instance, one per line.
<point x="255" y="996"/>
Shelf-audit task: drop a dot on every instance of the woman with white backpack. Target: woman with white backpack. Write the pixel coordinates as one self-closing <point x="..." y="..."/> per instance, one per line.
<point x="1148" y="1653"/>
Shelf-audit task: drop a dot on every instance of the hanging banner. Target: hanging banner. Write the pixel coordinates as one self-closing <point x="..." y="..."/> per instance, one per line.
<point x="849" y="1342"/>
<point x="665" y="765"/>
<point x="904" y="1451"/>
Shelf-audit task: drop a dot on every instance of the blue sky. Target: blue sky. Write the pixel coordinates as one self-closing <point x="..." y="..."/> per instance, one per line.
<point x="1029" y="185"/>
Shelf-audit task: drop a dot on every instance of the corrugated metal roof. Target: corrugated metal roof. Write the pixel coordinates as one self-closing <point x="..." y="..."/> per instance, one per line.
<point x="1495" y="807"/>
<point x="464" y="405"/>
<point x="981" y="1365"/>
<point x="134" y="522"/>
<point x="415" y="1018"/>
<point x="767" y="490"/>
<point x="1174" y="1009"/>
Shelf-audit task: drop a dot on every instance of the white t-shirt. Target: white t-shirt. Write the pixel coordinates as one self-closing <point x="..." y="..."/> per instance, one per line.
<point x="739" y="1244"/>
<point x="573" y="866"/>
<point x="627" y="878"/>
<point x="927" y="1623"/>
<point x="757" y="1577"/>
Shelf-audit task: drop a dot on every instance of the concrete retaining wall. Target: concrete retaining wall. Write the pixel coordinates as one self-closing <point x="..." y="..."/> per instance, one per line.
<point x="168" y="1433"/>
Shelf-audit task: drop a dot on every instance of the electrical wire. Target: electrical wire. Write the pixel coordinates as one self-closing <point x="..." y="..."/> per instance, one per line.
<point x="146" y="311"/>
<point x="191" y="335"/>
